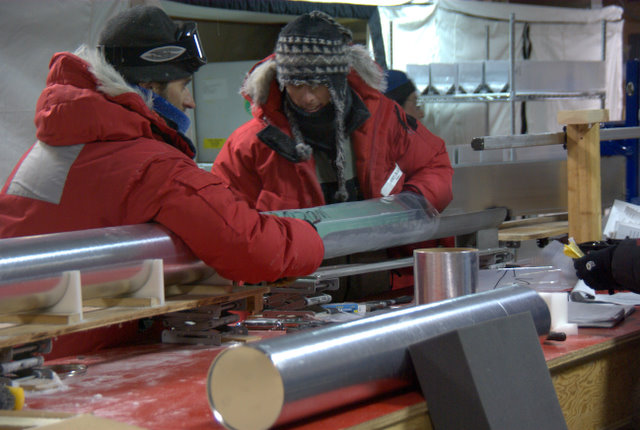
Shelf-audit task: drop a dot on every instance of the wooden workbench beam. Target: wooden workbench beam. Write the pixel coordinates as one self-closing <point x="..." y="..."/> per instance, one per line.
<point x="584" y="198"/>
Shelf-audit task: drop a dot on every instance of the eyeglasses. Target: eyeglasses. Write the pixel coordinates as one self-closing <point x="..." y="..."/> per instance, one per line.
<point x="187" y="51"/>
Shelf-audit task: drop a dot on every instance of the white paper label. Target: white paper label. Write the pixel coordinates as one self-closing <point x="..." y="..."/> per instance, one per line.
<point x="391" y="182"/>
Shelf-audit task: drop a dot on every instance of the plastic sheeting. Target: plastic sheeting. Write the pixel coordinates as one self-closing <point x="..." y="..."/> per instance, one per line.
<point x="367" y="225"/>
<point x="32" y="31"/>
<point x="451" y="31"/>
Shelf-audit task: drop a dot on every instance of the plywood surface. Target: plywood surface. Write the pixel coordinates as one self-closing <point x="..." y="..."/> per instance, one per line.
<point x="48" y="420"/>
<point x="538" y="230"/>
<point x="24" y="331"/>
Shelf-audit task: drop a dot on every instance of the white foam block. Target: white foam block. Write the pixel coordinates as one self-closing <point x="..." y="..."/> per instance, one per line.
<point x="558" y="304"/>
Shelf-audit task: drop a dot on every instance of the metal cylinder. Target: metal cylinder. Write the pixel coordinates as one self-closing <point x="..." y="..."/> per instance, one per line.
<point x="444" y="273"/>
<point x="291" y="377"/>
<point x="110" y="260"/>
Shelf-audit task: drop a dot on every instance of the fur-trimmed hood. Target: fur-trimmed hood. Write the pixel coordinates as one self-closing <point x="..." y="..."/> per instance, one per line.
<point x="263" y="90"/>
<point x="258" y="81"/>
<point x="86" y="100"/>
<point x="109" y="80"/>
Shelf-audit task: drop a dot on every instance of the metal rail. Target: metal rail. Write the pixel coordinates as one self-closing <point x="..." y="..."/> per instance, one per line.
<point x="110" y="261"/>
<point x="541" y="139"/>
<point x="339" y="271"/>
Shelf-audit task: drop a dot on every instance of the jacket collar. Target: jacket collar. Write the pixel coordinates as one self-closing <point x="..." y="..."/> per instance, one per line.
<point x="261" y="89"/>
<point x="91" y="82"/>
<point x="276" y="139"/>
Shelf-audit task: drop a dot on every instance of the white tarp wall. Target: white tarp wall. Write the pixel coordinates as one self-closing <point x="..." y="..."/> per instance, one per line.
<point x="451" y="31"/>
<point x="31" y="32"/>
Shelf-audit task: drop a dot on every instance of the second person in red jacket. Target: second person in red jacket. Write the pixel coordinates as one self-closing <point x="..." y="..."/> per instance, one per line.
<point x="322" y="132"/>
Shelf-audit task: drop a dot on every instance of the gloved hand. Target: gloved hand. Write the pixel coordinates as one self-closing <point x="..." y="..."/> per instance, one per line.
<point x="595" y="269"/>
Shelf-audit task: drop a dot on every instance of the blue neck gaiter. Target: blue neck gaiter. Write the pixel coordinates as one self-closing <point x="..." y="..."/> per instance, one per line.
<point x="177" y="119"/>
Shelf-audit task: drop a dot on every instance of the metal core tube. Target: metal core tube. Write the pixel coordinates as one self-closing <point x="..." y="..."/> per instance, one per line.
<point x="291" y="377"/>
<point x="111" y="262"/>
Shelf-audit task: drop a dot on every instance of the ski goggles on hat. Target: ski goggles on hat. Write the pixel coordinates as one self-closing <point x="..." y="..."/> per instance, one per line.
<point x="186" y="51"/>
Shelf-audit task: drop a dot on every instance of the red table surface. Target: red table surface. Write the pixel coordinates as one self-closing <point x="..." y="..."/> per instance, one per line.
<point x="162" y="386"/>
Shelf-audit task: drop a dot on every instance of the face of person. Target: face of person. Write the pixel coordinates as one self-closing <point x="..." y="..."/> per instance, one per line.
<point x="176" y="92"/>
<point x="309" y="98"/>
<point x="411" y="107"/>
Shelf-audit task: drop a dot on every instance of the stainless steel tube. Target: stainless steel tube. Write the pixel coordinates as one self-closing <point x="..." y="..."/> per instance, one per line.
<point x="110" y="261"/>
<point x="290" y="377"/>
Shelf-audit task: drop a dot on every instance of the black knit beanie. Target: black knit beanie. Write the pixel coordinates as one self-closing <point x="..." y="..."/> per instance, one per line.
<point x="145" y="27"/>
<point x="314" y="50"/>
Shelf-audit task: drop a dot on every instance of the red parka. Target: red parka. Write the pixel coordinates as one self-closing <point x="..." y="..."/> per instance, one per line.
<point x="103" y="158"/>
<point x="259" y="161"/>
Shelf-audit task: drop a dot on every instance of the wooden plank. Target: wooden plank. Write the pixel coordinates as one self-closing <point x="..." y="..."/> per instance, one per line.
<point x="42" y="318"/>
<point x="591" y="396"/>
<point x="45" y="420"/>
<point x="590" y="116"/>
<point x="196" y="289"/>
<point x="25" y="333"/>
<point x="30" y="413"/>
<point x="87" y="421"/>
<point x="244" y="338"/>
<point x="534" y="231"/>
<point x="131" y="302"/>
<point x="412" y="417"/>
<point x="29" y="419"/>
<point x="584" y="198"/>
<point x="534" y="220"/>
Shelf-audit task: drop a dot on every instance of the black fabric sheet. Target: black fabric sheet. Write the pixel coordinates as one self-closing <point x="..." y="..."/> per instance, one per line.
<point x="284" y="7"/>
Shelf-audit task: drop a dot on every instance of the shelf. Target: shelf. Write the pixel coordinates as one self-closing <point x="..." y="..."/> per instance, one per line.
<point x="534" y="228"/>
<point x="565" y="79"/>
<point x="505" y="97"/>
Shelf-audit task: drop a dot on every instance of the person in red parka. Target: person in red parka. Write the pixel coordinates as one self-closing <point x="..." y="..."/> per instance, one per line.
<point x="322" y="131"/>
<point x="112" y="151"/>
<point x="401" y="89"/>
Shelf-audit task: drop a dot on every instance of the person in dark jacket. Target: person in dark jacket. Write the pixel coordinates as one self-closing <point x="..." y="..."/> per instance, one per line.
<point x="402" y="89"/>
<point x="615" y="267"/>
<point x="112" y="151"/>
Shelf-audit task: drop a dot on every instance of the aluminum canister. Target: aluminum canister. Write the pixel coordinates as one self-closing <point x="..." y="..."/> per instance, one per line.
<point x="444" y="273"/>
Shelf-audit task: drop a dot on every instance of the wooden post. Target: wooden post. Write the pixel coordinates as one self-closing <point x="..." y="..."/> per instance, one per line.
<point x="583" y="172"/>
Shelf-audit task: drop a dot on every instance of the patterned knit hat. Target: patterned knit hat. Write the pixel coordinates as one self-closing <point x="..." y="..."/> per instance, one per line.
<point x="314" y="50"/>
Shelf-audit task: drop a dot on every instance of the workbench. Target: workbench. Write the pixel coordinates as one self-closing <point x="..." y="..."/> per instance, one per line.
<point x="159" y="386"/>
<point x="33" y="326"/>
